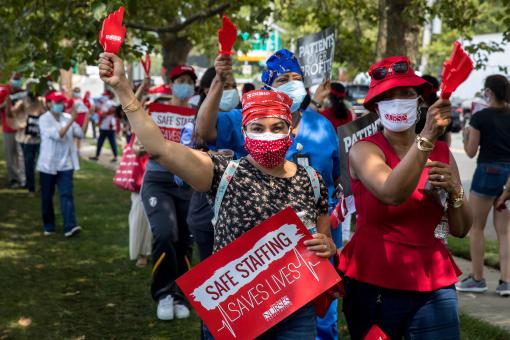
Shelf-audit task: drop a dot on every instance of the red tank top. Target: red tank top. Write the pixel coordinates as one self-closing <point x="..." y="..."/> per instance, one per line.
<point x="394" y="246"/>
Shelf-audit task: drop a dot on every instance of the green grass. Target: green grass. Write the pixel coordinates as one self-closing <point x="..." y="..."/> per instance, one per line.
<point x="460" y="247"/>
<point x="78" y="288"/>
<point x="86" y="287"/>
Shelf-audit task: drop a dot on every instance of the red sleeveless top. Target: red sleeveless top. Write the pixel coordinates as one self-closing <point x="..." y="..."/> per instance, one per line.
<point x="394" y="246"/>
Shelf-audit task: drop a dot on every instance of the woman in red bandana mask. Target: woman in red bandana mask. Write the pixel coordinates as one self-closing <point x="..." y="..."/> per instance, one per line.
<point x="262" y="184"/>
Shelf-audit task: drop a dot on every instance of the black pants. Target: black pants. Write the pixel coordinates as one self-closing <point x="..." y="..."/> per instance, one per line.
<point x="166" y="206"/>
<point x="30" y="153"/>
<point x="199" y="219"/>
<point x="103" y="134"/>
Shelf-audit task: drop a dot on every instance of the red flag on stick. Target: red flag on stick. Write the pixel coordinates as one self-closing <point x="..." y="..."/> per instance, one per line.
<point x="147" y="64"/>
<point x="227" y="35"/>
<point x="455" y="71"/>
<point x="112" y="33"/>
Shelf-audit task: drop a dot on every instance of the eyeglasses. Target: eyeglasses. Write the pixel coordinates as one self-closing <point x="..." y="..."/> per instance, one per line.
<point x="381" y="72"/>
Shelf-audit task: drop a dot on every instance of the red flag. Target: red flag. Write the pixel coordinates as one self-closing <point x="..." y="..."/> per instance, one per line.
<point x="455" y="71"/>
<point x="147" y="64"/>
<point x="112" y="32"/>
<point x="227" y="35"/>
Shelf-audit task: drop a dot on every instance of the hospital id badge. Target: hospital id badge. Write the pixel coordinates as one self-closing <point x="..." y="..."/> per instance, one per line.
<point x="303" y="160"/>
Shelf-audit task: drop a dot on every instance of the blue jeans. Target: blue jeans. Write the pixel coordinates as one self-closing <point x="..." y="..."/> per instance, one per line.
<point x="64" y="181"/>
<point x="408" y="314"/>
<point x="489" y="179"/>
<point x="30" y="152"/>
<point x="298" y="326"/>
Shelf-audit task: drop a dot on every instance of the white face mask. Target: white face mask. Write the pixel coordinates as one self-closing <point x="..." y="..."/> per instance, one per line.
<point x="267" y="136"/>
<point x="398" y="114"/>
<point x="229" y="100"/>
<point x="295" y="89"/>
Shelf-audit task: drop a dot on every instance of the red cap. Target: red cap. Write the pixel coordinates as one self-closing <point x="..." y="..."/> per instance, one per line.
<point x="259" y="104"/>
<point x="55" y="96"/>
<point x="393" y="80"/>
<point x="179" y="70"/>
<point x="162" y="89"/>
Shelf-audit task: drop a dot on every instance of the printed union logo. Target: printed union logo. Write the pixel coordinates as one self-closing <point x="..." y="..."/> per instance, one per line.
<point x="277" y="307"/>
<point x="113" y="37"/>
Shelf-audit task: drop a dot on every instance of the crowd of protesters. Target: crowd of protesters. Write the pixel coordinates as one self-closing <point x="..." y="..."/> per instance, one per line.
<point x="279" y="146"/>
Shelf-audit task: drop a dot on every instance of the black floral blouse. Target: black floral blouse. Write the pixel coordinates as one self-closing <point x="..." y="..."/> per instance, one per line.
<point x="252" y="197"/>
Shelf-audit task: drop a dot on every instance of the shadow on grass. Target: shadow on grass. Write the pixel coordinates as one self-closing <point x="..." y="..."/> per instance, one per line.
<point x="84" y="287"/>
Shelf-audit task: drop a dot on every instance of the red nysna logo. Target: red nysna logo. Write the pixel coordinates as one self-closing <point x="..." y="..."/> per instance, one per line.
<point x="113" y="37"/>
<point x="398" y="117"/>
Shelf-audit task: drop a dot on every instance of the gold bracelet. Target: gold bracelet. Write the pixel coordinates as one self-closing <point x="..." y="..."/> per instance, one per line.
<point x="133" y="106"/>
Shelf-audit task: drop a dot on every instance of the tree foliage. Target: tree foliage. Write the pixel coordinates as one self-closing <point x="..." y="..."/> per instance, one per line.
<point x="39" y="37"/>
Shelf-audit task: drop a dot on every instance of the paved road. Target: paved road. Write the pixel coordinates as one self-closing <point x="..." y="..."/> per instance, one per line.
<point x="487" y="306"/>
<point x="467" y="168"/>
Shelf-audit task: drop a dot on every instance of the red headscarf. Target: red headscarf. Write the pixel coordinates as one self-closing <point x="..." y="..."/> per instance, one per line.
<point x="259" y="104"/>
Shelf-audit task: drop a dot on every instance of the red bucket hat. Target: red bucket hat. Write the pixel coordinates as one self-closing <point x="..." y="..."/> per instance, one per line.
<point x="259" y="104"/>
<point x="179" y="70"/>
<point x="393" y="79"/>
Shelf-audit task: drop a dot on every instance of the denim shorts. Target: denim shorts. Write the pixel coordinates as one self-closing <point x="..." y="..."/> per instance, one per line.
<point x="489" y="179"/>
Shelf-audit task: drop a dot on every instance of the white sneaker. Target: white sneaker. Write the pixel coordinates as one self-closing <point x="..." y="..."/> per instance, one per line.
<point x="166" y="308"/>
<point x="73" y="231"/>
<point x="181" y="311"/>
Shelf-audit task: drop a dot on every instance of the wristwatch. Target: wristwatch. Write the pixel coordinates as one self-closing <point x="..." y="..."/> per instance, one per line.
<point x="458" y="200"/>
<point x="424" y="144"/>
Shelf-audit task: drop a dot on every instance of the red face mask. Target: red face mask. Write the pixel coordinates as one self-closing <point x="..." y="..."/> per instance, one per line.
<point x="267" y="152"/>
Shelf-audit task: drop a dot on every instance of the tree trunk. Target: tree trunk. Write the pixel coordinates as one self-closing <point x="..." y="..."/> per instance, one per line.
<point x="383" y="30"/>
<point x="175" y="50"/>
<point x="398" y="30"/>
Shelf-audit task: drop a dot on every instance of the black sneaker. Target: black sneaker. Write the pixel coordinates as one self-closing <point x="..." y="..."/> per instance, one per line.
<point x="93" y="158"/>
<point x="72" y="232"/>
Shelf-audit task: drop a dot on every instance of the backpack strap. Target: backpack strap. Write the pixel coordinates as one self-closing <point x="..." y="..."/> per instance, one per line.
<point x="222" y="187"/>
<point x="314" y="179"/>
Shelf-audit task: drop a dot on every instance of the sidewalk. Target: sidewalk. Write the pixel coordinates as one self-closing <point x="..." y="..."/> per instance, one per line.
<point x="487" y="306"/>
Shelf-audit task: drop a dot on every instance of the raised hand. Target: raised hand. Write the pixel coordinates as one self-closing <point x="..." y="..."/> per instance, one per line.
<point x="223" y="66"/>
<point x="438" y="118"/>
<point x="111" y="69"/>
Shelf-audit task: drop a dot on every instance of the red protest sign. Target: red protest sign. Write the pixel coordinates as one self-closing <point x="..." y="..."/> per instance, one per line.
<point x="258" y="280"/>
<point x="147" y="64"/>
<point x="227" y="35"/>
<point x="112" y="32"/>
<point x="455" y="71"/>
<point x="171" y="119"/>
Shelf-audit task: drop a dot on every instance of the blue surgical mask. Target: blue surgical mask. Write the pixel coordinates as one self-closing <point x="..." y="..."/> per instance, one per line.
<point x="295" y="89"/>
<point x="16" y="83"/>
<point x="77" y="94"/>
<point x="229" y="100"/>
<point x="183" y="91"/>
<point x="57" y="107"/>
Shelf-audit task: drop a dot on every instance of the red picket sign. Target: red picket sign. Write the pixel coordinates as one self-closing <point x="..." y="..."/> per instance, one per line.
<point x="258" y="280"/>
<point x="376" y="333"/>
<point x="171" y="119"/>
